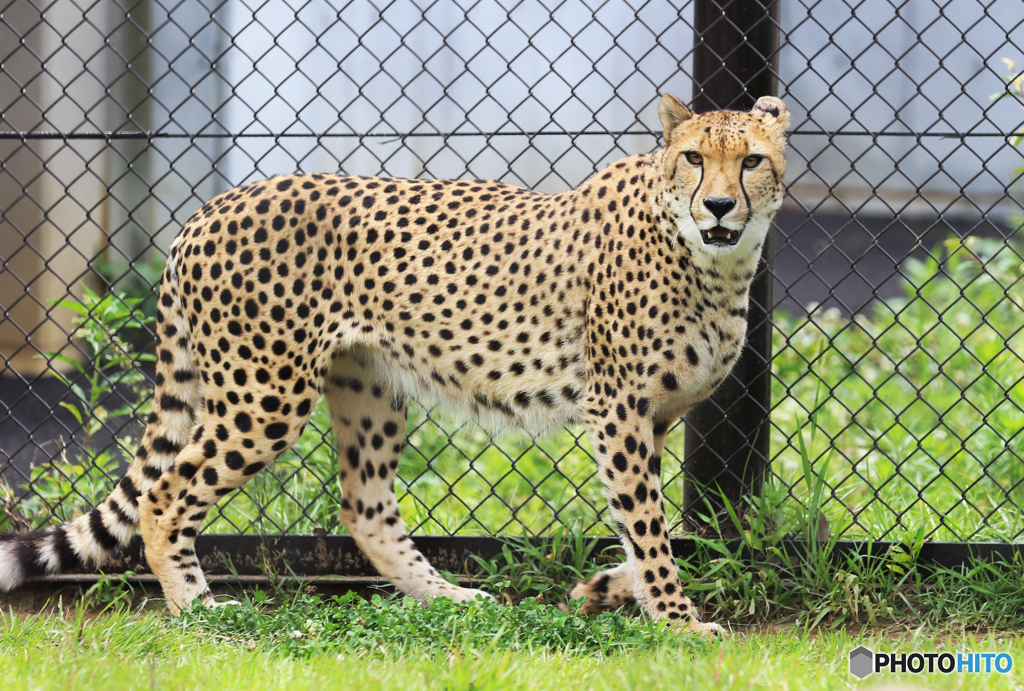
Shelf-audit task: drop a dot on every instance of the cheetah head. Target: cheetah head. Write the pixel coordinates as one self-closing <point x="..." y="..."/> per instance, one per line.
<point x="723" y="174"/>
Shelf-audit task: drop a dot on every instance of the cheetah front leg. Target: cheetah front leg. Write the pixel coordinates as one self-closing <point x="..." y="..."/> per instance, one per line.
<point x="369" y="421"/>
<point x="631" y="471"/>
<point x="613" y="587"/>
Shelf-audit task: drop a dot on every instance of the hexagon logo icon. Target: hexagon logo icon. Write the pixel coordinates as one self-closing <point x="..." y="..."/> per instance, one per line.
<point x="862" y="662"/>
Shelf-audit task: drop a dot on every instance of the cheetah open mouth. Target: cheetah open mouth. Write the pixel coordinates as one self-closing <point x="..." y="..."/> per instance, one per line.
<point x="720" y="235"/>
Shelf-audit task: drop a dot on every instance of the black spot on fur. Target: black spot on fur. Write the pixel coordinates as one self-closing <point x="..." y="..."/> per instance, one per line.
<point x="619" y="461"/>
<point x="691" y="355"/>
<point x="276" y="430"/>
<point x="210" y="476"/>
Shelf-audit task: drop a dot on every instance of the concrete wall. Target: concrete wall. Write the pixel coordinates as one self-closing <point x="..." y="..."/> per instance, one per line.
<point x="922" y="67"/>
<point x="51" y="190"/>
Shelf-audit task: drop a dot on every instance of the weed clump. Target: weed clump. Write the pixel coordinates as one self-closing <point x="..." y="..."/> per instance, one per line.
<point x="311" y="625"/>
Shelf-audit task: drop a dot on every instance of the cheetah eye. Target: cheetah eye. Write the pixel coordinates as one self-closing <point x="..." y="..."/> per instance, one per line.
<point x="752" y="161"/>
<point x="694" y="158"/>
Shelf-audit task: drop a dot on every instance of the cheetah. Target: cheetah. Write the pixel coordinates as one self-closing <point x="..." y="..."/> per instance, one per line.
<point x="619" y="305"/>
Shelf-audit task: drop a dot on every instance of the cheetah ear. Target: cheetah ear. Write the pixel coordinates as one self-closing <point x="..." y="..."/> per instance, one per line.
<point x="775" y="108"/>
<point x="672" y="113"/>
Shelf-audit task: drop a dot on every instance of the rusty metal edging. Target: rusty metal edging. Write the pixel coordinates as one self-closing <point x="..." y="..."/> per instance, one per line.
<point x="335" y="559"/>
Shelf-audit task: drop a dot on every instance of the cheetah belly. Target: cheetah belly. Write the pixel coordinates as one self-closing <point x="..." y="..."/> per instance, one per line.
<point x="534" y="402"/>
<point x="510" y="372"/>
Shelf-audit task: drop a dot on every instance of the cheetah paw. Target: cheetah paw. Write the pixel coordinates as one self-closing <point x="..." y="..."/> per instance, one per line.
<point x="708" y="630"/>
<point x="208" y="601"/>
<point x="470" y="594"/>
<point x="453" y="593"/>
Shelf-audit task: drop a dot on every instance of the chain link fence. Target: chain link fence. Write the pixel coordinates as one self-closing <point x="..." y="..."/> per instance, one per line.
<point x="896" y="394"/>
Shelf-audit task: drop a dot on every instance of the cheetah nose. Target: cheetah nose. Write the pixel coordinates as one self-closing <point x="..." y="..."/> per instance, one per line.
<point x="719" y="206"/>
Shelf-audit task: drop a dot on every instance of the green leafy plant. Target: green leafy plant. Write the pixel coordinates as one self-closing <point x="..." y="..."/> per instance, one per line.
<point x="924" y="406"/>
<point x="544" y="570"/>
<point x="111" y="591"/>
<point x="60" y="489"/>
<point x="135" y="280"/>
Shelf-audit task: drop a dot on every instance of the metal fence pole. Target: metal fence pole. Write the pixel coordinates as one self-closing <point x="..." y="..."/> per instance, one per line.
<point x="735" y="62"/>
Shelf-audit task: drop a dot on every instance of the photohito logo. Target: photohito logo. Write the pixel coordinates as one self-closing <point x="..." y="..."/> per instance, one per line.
<point x="864" y="662"/>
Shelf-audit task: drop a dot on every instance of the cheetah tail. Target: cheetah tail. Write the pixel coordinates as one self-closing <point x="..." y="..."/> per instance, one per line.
<point x="87" y="541"/>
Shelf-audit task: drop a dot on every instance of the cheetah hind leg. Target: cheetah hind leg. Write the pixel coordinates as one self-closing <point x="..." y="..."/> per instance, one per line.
<point x="213" y="464"/>
<point x="369" y="422"/>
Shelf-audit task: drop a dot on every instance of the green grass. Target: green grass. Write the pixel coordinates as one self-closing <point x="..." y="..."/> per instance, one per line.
<point x="925" y="401"/>
<point x="309" y="625"/>
<point x="121" y="650"/>
<point x="793" y="621"/>
<point x="757" y="581"/>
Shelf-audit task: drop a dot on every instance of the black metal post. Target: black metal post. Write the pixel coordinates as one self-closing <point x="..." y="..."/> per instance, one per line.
<point x="735" y="62"/>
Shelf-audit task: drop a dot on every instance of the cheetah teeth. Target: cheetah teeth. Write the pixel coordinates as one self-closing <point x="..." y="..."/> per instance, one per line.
<point x="728" y="237"/>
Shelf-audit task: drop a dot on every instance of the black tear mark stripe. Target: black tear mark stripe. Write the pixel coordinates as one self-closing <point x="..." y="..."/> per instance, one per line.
<point x="743" y="188"/>
<point x="695" y="191"/>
